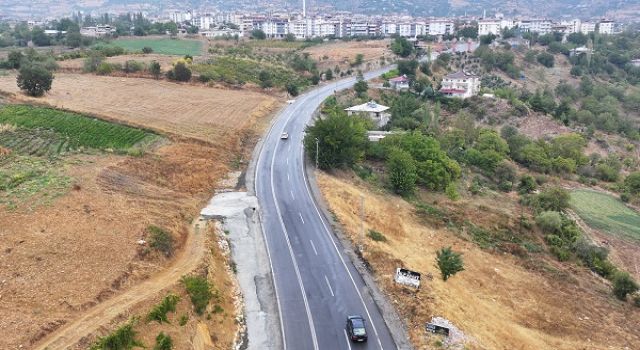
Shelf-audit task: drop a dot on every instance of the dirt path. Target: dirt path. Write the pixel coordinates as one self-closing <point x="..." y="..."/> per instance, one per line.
<point x="189" y="258"/>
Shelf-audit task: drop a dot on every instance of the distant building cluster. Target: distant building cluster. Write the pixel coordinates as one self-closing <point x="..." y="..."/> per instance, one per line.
<point x="495" y="26"/>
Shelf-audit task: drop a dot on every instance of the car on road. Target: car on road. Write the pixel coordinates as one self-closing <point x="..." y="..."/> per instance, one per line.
<point x="284" y="135"/>
<point x="356" y="330"/>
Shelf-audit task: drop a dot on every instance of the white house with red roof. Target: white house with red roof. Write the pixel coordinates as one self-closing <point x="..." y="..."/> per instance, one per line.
<point x="460" y="84"/>
<point x="400" y="83"/>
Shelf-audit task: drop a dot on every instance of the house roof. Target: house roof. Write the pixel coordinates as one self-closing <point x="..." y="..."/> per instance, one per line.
<point x="370" y="106"/>
<point x="401" y="79"/>
<point x="460" y="75"/>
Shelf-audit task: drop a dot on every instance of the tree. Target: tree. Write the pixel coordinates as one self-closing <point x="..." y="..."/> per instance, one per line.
<point x="292" y="89"/>
<point x="361" y="87"/>
<point x="358" y="61"/>
<point x="155" y="69"/>
<point x="147" y="49"/>
<point x="341" y="139"/>
<point x="632" y="183"/>
<point x="527" y="184"/>
<point x="553" y="198"/>
<point x="290" y="37"/>
<point x="14" y="59"/>
<point x="549" y="221"/>
<point x="407" y="67"/>
<point x="623" y="284"/>
<point x="546" y="59"/>
<point x="468" y="32"/>
<point x="258" y="34"/>
<point x="449" y="262"/>
<point x="34" y="79"/>
<point x="39" y="37"/>
<point x="402" y="171"/>
<point x="328" y="74"/>
<point x="73" y="39"/>
<point x="402" y="47"/>
<point x="265" y="79"/>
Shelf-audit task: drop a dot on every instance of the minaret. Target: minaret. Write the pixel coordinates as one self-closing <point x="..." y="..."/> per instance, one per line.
<point x="304" y="8"/>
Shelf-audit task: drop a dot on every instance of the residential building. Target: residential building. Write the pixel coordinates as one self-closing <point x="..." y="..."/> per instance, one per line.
<point x="439" y="27"/>
<point x="460" y="84"/>
<point x="97" y="31"/>
<point x="540" y="26"/>
<point x="606" y="27"/>
<point x="587" y="27"/>
<point x="376" y="112"/>
<point x="573" y="26"/>
<point x="203" y="22"/>
<point x="489" y="26"/>
<point x="400" y="83"/>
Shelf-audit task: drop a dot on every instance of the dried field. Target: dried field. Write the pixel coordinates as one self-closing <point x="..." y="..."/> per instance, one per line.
<point x="192" y="111"/>
<point x="499" y="301"/>
<point x="65" y="255"/>
<point x="342" y="53"/>
<point x="165" y="61"/>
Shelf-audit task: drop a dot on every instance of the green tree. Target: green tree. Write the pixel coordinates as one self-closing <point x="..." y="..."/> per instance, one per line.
<point x="449" y="262"/>
<point x="402" y="171"/>
<point x="402" y="47"/>
<point x="470" y="32"/>
<point x="361" y="87"/>
<point x="155" y="69"/>
<point x="163" y="342"/>
<point x="199" y="291"/>
<point x="623" y="284"/>
<point x="265" y="79"/>
<point x="549" y="221"/>
<point x="147" y="50"/>
<point x="292" y="89"/>
<point x="546" y="59"/>
<point x="527" y="184"/>
<point x="258" y="34"/>
<point x="342" y="140"/>
<point x="14" y="59"/>
<point x="73" y="39"/>
<point x="632" y="183"/>
<point x="34" y="79"/>
<point x="180" y="72"/>
<point x="408" y="67"/>
<point x="358" y="61"/>
<point x="39" y="37"/>
<point x="553" y="198"/>
<point x="328" y="74"/>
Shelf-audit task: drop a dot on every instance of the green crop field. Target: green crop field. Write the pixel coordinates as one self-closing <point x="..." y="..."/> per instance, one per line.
<point x="606" y="213"/>
<point x="46" y="132"/>
<point x="162" y="46"/>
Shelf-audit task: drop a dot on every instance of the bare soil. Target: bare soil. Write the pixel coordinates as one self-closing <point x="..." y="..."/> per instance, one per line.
<point x="343" y="53"/>
<point x="500" y="301"/>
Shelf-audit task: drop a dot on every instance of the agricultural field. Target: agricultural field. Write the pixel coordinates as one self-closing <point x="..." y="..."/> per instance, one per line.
<point x="606" y="213"/>
<point x="49" y="131"/>
<point x="344" y="52"/>
<point x="163" y="46"/>
<point x="191" y="111"/>
<point x="77" y="64"/>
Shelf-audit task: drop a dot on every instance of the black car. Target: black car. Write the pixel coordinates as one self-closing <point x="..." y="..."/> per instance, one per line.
<point x="355" y="329"/>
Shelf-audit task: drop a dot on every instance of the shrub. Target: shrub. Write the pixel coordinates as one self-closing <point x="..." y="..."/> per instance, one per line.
<point x="402" y="171"/>
<point x="527" y="184"/>
<point x="123" y="338"/>
<point x="449" y="262"/>
<point x="155" y="69"/>
<point x="160" y="240"/>
<point x="636" y="299"/>
<point x="104" y="68"/>
<point x="292" y="89"/>
<point x="546" y="59"/>
<point x="553" y="198"/>
<point x="34" y="79"/>
<point x="183" y="320"/>
<point x="376" y="236"/>
<point x="163" y="342"/>
<point x="159" y="312"/>
<point x="132" y="66"/>
<point x="180" y="72"/>
<point x="452" y="192"/>
<point x="623" y="284"/>
<point x="147" y="49"/>
<point x="199" y="291"/>
<point x="549" y="221"/>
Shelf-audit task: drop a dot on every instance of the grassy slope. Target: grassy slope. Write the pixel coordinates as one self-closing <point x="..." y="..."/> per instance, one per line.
<point x="606" y="213"/>
<point x="162" y="46"/>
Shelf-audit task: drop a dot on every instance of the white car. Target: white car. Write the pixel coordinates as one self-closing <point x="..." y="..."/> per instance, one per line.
<point x="291" y="102"/>
<point x="284" y="135"/>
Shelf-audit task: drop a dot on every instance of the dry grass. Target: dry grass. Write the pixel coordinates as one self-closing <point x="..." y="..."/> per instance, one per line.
<point x="496" y="301"/>
<point x="192" y="111"/>
<point x="342" y="53"/>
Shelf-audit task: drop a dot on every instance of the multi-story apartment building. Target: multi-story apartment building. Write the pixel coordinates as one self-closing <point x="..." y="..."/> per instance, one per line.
<point x="587" y="27"/>
<point x="439" y="27"/>
<point x="460" y="84"/>
<point x="572" y="26"/>
<point x="489" y="26"/>
<point x="541" y="26"/>
<point x="606" y="27"/>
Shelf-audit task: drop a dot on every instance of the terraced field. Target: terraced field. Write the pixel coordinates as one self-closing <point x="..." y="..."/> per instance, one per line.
<point x="606" y="213"/>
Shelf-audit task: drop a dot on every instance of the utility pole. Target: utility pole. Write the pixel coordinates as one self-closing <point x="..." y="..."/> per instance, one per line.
<point x="317" y="151"/>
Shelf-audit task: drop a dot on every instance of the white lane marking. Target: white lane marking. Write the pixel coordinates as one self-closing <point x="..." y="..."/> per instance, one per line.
<point x="292" y="197"/>
<point x="344" y="264"/>
<point x="301" y="217"/>
<point x="329" y="285"/>
<point x="347" y="338"/>
<point x="287" y="161"/>
<point x="288" y="178"/>
<point x="314" y="247"/>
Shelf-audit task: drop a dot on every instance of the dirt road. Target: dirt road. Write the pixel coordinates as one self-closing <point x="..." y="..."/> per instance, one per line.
<point x="189" y="258"/>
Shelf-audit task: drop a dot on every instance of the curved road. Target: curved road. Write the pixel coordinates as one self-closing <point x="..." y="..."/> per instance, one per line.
<point x="316" y="284"/>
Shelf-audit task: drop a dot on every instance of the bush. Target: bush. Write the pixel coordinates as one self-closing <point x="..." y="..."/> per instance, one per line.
<point x="376" y="236"/>
<point x="623" y="284"/>
<point x="553" y="198"/>
<point x="160" y="240"/>
<point x="636" y="299"/>
<point x="132" y="66"/>
<point x="34" y="79"/>
<point x="199" y="291"/>
<point x="163" y="342"/>
<point x="527" y="184"/>
<point x="549" y="221"/>
<point x="155" y="69"/>
<point x="123" y="338"/>
<point x="183" y="320"/>
<point x="292" y="89"/>
<point x="449" y="262"/>
<point x="104" y="68"/>
<point x="147" y="49"/>
<point x="402" y="171"/>
<point x="452" y="192"/>
<point x="546" y="59"/>
<point x="180" y="72"/>
<point x="159" y="312"/>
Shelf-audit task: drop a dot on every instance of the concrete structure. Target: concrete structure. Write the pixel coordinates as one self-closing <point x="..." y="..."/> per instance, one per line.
<point x="460" y="84"/>
<point x="489" y="26"/>
<point x="635" y="63"/>
<point x="587" y="27"/>
<point x="439" y="27"/>
<point x="573" y="26"/>
<point x="374" y="111"/>
<point x="541" y="26"/>
<point x="376" y="136"/>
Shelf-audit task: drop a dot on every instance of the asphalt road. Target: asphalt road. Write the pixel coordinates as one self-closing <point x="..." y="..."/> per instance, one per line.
<point x="316" y="284"/>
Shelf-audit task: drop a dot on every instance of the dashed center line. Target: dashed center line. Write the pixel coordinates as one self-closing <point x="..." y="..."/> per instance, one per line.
<point x="292" y="197"/>
<point x="329" y="285"/>
<point x="301" y="217"/>
<point x="314" y="247"/>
